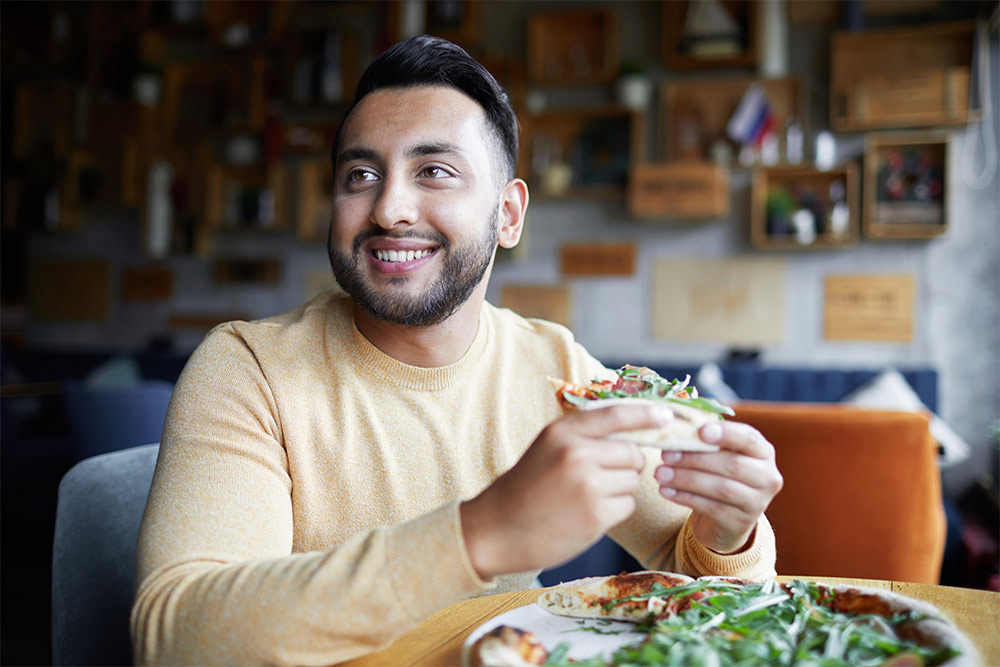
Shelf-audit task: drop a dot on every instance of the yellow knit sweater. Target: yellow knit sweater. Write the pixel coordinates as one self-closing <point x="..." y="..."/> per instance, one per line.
<point x="305" y="504"/>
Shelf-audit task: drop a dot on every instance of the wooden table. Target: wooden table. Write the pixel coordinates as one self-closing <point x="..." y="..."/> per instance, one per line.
<point x="438" y="640"/>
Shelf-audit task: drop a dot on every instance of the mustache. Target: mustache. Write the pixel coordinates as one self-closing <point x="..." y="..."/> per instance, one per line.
<point x="366" y="235"/>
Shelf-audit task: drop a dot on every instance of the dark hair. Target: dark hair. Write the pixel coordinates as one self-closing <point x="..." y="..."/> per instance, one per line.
<point x="425" y="60"/>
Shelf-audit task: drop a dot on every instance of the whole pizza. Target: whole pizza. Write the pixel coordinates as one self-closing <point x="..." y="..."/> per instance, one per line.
<point x="726" y="621"/>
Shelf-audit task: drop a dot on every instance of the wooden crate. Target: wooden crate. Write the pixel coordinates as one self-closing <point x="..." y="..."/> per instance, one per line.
<point x="901" y="77"/>
<point x="677" y="57"/>
<point x="678" y="190"/>
<point x="573" y="47"/>
<point x="564" y="139"/>
<point x="703" y="108"/>
<point x="905" y="185"/>
<point x="806" y="181"/>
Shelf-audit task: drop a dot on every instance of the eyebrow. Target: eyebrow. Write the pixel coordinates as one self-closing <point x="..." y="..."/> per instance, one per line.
<point x="442" y="148"/>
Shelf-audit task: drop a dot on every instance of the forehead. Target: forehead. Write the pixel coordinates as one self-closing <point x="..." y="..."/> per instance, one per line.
<point x="397" y="118"/>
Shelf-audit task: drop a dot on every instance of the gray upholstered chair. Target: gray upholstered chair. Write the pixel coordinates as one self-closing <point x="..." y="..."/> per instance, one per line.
<point x="101" y="501"/>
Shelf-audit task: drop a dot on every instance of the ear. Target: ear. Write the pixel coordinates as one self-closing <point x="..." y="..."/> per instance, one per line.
<point x="512" y="208"/>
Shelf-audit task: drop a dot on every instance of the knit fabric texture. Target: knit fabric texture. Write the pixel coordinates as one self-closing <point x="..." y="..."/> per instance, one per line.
<point x="305" y="504"/>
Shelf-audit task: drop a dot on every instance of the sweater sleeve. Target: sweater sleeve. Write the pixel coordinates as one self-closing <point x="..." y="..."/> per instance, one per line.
<point x="217" y="579"/>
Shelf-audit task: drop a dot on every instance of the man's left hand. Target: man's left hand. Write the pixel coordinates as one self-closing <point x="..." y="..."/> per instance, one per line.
<point x="727" y="490"/>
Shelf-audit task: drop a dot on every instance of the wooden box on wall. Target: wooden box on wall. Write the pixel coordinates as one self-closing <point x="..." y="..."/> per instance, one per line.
<point x="689" y="190"/>
<point x="695" y="113"/>
<point x="901" y="77"/>
<point x="810" y="189"/>
<point x="905" y="185"/>
<point x="573" y="47"/>
<point x="679" y="54"/>
<point x="581" y="152"/>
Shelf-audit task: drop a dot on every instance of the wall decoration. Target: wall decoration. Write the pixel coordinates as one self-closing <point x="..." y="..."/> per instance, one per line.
<point x="574" y="46"/>
<point x="905" y="185"/>
<point x="706" y="34"/>
<point x="803" y="207"/>
<point x="678" y="190"/>
<point x="740" y="301"/>
<point x="547" y="302"/>
<point x="70" y="288"/>
<point x="901" y="77"/>
<point x="247" y="271"/>
<point x="147" y="283"/>
<point x="869" y="307"/>
<point x="597" y="259"/>
<point x="696" y="113"/>
<point x="581" y="153"/>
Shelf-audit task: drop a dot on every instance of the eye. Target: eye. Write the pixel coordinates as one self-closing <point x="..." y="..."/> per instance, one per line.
<point x="433" y="172"/>
<point x="360" y="176"/>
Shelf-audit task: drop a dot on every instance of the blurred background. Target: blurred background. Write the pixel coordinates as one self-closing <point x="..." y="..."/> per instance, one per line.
<point x="722" y="186"/>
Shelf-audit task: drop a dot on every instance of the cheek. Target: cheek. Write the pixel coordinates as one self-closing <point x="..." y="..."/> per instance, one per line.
<point x="349" y="215"/>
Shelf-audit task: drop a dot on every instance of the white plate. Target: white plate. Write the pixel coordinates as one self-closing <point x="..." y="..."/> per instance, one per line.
<point x="553" y="630"/>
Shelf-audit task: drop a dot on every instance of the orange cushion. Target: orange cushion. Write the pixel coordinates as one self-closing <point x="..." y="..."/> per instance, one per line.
<point x="862" y="492"/>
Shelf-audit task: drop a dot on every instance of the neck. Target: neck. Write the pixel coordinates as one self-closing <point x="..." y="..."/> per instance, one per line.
<point x="431" y="346"/>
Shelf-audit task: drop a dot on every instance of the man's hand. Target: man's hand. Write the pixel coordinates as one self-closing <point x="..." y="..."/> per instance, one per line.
<point x="727" y="490"/>
<point x="571" y="485"/>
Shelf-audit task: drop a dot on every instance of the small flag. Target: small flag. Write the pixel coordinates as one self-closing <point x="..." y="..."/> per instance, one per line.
<point x="753" y="118"/>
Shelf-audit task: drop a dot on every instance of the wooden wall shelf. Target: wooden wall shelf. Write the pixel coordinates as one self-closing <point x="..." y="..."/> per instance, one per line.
<point x="573" y="47"/>
<point x="583" y="153"/>
<point x="905" y="177"/>
<point x="695" y="113"/>
<point x="901" y="77"/>
<point x="779" y="192"/>
<point x="684" y="54"/>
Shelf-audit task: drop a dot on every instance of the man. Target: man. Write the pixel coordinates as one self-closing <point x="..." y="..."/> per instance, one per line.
<point x="331" y="477"/>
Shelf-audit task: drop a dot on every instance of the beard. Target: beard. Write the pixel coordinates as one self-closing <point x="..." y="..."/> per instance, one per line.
<point x="462" y="271"/>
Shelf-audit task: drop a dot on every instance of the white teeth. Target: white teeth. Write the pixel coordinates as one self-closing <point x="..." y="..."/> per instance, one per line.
<point x="401" y="255"/>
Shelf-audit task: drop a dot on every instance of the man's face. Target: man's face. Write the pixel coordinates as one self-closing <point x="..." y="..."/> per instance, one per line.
<point x="416" y="203"/>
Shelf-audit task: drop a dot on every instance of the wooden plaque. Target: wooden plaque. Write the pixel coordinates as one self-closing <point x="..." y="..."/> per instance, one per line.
<point x="141" y="283"/>
<point x="70" y="289"/>
<point x="869" y="307"/>
<point x="678" y="190"/>
<point x="598" y="259"/>
<point x="547" y="302"/>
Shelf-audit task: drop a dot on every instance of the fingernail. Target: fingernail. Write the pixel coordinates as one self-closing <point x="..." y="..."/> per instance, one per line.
<point x="664" y="474"/>
<point x="662" y="415"/>
<point x="667" y="492"/>
<point x="671" y="457"/>
<point x="711" y="432"/>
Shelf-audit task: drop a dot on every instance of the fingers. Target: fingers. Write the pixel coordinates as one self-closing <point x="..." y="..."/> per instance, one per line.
<point x="617" y="454"/>
<point x="737" y="437"/>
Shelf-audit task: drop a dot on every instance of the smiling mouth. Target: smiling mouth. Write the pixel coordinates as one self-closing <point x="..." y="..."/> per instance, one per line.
<point x="401" y="255"/>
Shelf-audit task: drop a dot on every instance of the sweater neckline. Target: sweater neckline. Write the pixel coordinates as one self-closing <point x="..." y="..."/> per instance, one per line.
<point x="375" y="362"/>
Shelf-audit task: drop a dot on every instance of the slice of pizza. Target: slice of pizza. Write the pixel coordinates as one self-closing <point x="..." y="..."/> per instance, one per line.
<point x="638" y="384"/>
<point x="507" y="646"/>
<point x="633" y="596"/>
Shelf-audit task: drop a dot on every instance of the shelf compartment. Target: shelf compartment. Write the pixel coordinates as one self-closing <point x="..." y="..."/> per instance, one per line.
<point x="779" y="193"/>
<point x="905" y="185"/>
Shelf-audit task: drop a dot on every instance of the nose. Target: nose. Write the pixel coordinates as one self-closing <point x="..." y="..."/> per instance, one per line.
<point x="396" y="204"/>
